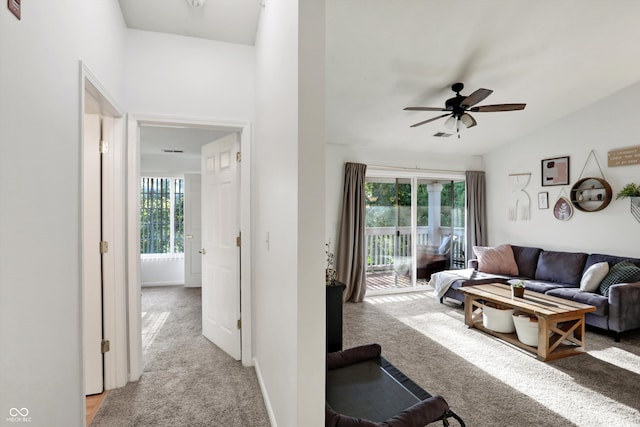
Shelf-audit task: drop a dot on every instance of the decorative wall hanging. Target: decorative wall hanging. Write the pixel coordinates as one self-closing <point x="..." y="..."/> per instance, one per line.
<point x="563" y="210"/>
<point x="520" y="202"/>
<point x="624" y="156"/>
<point x="543" y="200"/>
<point x="591" y="194"/>
<point x="555" y="171"/>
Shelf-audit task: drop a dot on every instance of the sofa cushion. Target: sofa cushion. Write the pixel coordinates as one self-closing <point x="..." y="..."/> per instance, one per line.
<point x="498" y="260"/>
<point x="526" y="259"/>
<point x="601" y="303"/>
<point x="611" y="259"/>
<point x="593" y="275"/>
<point x="622" y="272"/>
<point x="561" y="267"/>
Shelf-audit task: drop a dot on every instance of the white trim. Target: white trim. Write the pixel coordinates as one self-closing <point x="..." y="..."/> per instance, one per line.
<point x="265" y="395"/>
<point x="133" y="242"/>
<point x="150" y="284"/>
<point x="114" y="288"/>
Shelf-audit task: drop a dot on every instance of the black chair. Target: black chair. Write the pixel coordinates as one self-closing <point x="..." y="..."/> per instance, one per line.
<point x="365" y="390"/>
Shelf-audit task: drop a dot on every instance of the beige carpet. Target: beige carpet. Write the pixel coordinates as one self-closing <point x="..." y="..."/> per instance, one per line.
<point x="186" y="380"/>
<point x="490" y="383"/>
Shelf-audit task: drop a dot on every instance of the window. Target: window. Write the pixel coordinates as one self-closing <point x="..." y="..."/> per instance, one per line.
<point x="161" y="215"/>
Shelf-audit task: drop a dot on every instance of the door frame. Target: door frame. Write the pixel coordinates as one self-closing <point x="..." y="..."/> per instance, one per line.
<point x="243" y="128"/>
<point x="113" y="292"/>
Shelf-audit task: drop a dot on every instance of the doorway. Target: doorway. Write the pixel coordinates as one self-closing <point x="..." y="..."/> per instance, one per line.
<point x="134" y="125"/>
<point x="102" y="217"/>
<point x="414" y="227"/>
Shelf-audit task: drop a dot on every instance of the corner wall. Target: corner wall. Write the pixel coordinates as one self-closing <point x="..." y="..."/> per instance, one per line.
<point x="606" y="125"/>
<point x="40" y="138"/>
<point x="288" y="228"/>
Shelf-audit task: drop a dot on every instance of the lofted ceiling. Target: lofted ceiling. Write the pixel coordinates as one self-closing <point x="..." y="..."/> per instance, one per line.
<point x="381" y="56"/>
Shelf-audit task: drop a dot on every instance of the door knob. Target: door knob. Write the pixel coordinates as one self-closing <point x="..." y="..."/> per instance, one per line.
<point x="202" y="251"/>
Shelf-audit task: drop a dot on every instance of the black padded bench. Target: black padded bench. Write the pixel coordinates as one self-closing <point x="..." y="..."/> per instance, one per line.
<point x="365" y="390"/>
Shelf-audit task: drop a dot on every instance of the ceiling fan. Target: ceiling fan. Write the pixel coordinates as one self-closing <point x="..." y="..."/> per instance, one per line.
<point x="457" y="108"/>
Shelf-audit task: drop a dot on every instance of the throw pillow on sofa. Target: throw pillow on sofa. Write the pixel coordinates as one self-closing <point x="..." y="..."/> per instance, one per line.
<point x="622" y="272"/>
<point x="498" y="260"/>
<point x="594" y="275"/>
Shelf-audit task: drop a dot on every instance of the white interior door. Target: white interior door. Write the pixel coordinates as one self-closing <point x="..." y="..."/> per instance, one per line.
<point x="192" y="230"/>
<point x="91" y="258"/>
<point x="220" y="251"/>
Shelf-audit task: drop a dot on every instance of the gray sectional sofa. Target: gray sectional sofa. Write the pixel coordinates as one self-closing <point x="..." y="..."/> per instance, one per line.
<point x="559" y="274"/>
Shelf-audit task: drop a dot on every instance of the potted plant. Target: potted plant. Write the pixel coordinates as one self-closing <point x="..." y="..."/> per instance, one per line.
<point x="517" y="289"/>
<point x="330" y="272"/>
<point x="629" y="190"/>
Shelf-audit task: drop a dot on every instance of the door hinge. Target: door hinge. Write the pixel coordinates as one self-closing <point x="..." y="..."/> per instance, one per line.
<point x="104" y="247"/>
<point x="238" y="241"/>
<point x="239" y="323"/>
<point x="104" y="146"/>
<point x="104" y="346"/>
<point x="238" y="157"/>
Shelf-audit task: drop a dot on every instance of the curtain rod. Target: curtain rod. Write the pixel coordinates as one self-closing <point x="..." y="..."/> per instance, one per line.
<point x="415" y="169"/>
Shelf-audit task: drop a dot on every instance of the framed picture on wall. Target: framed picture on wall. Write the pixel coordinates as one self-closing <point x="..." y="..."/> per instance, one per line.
<point x="543" y="200"/>
<point x="555" y="171"/>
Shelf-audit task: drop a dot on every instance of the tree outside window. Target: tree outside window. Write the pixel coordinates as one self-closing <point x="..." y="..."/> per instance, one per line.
<point x="161" y="215"/>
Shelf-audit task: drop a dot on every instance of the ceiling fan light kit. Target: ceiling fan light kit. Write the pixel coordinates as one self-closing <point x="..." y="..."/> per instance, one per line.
<point x="457" y="108"/>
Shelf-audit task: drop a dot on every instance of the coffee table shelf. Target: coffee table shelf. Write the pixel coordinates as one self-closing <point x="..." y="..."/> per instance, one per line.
<point x="560" y="322"/>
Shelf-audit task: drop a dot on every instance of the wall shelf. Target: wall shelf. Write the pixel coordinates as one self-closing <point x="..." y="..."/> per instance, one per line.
<point x="591" y="194"/>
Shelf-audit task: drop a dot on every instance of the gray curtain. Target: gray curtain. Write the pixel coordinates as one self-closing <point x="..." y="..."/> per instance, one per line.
<point x="350" y="254"/>
<point x="476" y="211"/>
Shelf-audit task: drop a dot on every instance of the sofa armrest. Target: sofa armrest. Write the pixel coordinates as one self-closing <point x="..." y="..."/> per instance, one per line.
<point x="624" y="306"/>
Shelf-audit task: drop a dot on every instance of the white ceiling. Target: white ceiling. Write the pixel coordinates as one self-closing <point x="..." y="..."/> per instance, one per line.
<point x="154" y="140"/>
<point x="381" y="56"/>
<point x="232" y="21"/>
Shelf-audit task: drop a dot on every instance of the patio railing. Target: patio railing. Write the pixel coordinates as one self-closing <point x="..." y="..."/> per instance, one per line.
<point x="389" y="246"/>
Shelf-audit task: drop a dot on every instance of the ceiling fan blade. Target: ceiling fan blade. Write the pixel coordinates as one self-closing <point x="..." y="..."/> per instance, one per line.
<point x="498" y="107"/>
<point x="430" y="120"/>
<point x="425" y="109"/>
<point x="475" y="97"/>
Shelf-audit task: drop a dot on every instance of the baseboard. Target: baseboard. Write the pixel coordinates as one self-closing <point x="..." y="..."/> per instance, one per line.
<point x="149" y="284"/>
<point x="265" y="395"/>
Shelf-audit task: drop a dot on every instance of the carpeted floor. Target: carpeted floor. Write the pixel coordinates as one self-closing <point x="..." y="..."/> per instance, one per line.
<point x="186" y="380"/>
<point x="490" y="383"/>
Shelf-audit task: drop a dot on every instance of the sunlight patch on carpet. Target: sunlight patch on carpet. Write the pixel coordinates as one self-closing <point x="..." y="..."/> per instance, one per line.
<point x="618" y="357"/>
<point x="384" y="299"/>
<point x="523" y="372"/>
<point x="151" y="326"/>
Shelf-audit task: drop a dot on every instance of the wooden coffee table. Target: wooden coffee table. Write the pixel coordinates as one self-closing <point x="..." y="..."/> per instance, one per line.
<point x="560" y="321"/>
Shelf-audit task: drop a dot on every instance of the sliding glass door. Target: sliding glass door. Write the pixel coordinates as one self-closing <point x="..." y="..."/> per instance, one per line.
<point x="414" y="227"/>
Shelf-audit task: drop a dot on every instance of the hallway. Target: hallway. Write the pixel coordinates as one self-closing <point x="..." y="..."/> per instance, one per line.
<point x="186" y="380"/>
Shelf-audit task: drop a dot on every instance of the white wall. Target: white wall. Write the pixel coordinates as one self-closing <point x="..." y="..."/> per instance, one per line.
<point x="608" y="124"/>
<point x="40" y="285"/>
<point x="189" y="77"/>
<point x="338" y="155"/>
<point x="168" y="166"/>
<point x="162" y="269"/>
<point x="289" y="173"/>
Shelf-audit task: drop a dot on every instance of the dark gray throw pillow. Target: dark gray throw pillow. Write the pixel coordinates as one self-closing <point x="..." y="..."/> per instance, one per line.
<point x="622" y="272"/>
